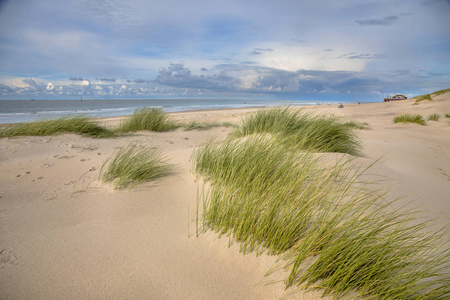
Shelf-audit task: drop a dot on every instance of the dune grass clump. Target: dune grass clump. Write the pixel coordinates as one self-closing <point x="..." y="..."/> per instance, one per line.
<point x="440" y="92"/>
<point x="301" y="130"/>
<point x="331" y="232"/>
<point x="133" y="165"/>
<point x="357" y="125"/>
<point x="77" y="124"/>
<point x="146" y="118"/>
<point x="434" y="117"/>
<point x="408" y="118"/>
<point x="264" y="194"/>
<point x="423" y="97"/>
<point x="204" y="125"/>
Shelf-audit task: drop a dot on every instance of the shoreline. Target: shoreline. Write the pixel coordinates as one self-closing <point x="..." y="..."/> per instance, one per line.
<point x="89" y="111"/>
<point x="212" y="114"/>
<point x="66" y="235"/>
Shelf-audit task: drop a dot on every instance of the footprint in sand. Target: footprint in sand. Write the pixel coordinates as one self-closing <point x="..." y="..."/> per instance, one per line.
<point x="59" y="156"/>
<point x="444" y="173"/>
<point x="66" y="156"/>
<point x="7" y="256"/>
<point x="23" y="174"/>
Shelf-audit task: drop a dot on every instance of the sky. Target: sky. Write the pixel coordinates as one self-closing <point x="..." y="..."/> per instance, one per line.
<point x="359" y="50"/>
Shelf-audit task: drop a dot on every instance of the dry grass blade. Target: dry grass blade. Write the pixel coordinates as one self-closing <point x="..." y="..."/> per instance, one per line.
<point x="302" y="131"/>
<point x="434" y="117"/>
<point x="146" y="118"/>
<point x="76" y="124"/>
<point x="133" y="165"/>
<point x="408" y="118"/>
<point x="204" y="125"/>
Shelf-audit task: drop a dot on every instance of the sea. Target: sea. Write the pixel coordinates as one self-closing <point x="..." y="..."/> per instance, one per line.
<point x="17" y="111"/>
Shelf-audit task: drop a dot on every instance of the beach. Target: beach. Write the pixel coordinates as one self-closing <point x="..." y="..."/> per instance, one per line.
<point x="66" y="235"/>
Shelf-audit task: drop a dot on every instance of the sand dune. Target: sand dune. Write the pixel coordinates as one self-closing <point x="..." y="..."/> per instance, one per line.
<point x="64" y="235"/>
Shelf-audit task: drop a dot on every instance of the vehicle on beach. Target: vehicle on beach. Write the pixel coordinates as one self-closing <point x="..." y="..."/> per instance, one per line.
<point x="396" y="97"/>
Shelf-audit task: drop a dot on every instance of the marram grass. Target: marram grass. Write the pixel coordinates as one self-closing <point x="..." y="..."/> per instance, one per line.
<point x="331" y="232"/>
<point x="357" y="125"/>
<point x="150" y="119"/>
<point x="434" y="117"/>
<point x="204" y="125"/>
<point x="77" y="124"/>
<point x="408" y="118"/>
<point x="302" y="131"/>
<point x="133" y="165"/>
<point x="440" y="92"/>
<point x="423" y="97"/>
<point x="429" y="96"/>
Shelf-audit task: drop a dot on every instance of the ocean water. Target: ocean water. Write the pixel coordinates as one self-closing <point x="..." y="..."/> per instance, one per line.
<point x="14" y="111"/>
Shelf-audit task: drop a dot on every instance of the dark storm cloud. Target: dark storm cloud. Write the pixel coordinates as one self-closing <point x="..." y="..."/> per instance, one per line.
<point x="73" y="78"/>
<point x="259" y="51"/>
<point x="139" y="80"/>
<point x="30" y="82"/>
<point x="354" y="55"/>
<point x="270" y="80"/>
<point x="386" y="21"/>
<point x="108" y="79"/>
<point x="177" y="75"/>
<point x="6" y="89"/>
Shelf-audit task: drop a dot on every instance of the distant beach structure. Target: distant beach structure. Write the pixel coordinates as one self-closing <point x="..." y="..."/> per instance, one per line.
<point x="396" y="97"/>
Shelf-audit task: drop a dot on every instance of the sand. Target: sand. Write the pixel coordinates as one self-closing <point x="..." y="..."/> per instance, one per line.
<point x="65" y="235"/>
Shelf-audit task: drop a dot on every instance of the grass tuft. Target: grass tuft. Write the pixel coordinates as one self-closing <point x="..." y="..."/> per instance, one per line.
<point x="302" y="131"/>
<point x="204" y="125"/>
<point x="434" y="117"/>
<point x="332" y="230"/>
<point x="423" y="97"/>
<point x="146" y="118"/>
<point x="77" y="124"/>
<point x="429" y="96"/>
<point x="133" y="165"/>
<point x="408" y="118"/>
<point x="357" y="125"/>
<point x="447" y="116"/>
<point x="440" y="92"/>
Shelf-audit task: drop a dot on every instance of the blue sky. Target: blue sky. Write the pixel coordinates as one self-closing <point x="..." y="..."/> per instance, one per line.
<point x="286" y="49"/>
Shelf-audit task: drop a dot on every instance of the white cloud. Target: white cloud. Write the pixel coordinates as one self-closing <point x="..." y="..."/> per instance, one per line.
<point x="50" y="86"/>
<point x="85" y="82"/>
<point x="250" y="81"/>
<point x="305" y="57"/>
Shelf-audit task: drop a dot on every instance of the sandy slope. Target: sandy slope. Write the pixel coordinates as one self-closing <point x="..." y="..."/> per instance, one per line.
<point x="63" y="235"/>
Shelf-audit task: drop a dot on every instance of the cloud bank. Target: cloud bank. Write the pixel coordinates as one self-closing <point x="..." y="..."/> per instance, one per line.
<point x="228" y="80"/>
